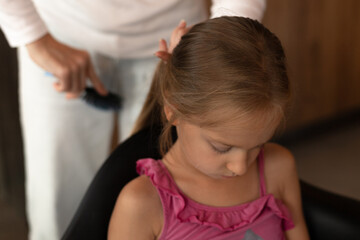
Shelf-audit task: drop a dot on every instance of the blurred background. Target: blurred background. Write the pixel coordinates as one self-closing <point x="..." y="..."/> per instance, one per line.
<point x="322" y="42"/>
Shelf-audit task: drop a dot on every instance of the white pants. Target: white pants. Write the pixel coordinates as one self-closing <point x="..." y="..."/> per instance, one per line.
<point x="66" y="141"/>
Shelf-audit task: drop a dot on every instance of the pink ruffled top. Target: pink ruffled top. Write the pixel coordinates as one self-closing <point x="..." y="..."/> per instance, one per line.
<point x="265" y="218"/>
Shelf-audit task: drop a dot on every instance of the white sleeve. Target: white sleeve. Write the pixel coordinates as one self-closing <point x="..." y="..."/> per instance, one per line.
<point x="246" y="8"/>
<point x="20" y="22"/>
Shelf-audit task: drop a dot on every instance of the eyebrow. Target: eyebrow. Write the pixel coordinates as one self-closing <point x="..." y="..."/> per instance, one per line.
<point x="229" y="145"/>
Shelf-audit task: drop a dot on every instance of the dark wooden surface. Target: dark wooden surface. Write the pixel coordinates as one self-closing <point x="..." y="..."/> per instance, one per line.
<point x="11" y="147"/>
<point x="322" y="42"/>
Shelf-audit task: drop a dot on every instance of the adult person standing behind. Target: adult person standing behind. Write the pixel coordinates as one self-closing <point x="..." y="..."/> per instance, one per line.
<point x="107" y="44"/>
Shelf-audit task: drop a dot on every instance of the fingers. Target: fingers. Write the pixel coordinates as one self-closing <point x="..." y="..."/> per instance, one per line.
<point x="72" y="95"/>
<point x="73" y="87"/>
<point x="182" y="24"/>
<point x="163" y="45"/>
<point x="71" y="67"/>
<point x="97" y="84"/>
<point x="163" y="51"/>
<point x="176" y="35"/>
<point x="72" y="77"/>
<point x="165" y="56"/>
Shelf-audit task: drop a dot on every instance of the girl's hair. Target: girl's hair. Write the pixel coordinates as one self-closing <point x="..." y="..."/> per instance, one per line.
<point x="232" y="63"/>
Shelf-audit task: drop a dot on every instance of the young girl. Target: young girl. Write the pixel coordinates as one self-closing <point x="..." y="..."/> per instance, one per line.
<point x="225" y="89"/>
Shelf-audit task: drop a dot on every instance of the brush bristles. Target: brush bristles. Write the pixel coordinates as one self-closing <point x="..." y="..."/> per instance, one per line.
<point x="109" y="102"/>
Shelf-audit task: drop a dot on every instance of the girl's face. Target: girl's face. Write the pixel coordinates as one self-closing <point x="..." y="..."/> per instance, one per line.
<point x="226" y="151"/>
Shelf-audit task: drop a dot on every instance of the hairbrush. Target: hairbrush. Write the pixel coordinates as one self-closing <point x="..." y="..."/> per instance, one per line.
<point x="111" y="101"/>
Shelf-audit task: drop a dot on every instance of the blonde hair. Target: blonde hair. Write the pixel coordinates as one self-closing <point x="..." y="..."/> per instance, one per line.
<point x="226" y="61"/>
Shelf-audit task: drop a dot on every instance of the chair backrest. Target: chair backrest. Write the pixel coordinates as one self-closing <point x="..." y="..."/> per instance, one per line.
<point x="92" y="217"/>
<point x="329" y="216"/>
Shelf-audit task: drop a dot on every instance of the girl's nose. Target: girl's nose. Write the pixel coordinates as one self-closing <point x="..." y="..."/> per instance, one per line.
<point x="238" y="165"/>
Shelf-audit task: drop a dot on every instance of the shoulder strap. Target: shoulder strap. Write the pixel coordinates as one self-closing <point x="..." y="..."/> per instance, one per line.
<point x="261" y="167"/>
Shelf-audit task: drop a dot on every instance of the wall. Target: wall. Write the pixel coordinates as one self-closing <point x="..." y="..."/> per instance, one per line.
<point x="322" y="42"/>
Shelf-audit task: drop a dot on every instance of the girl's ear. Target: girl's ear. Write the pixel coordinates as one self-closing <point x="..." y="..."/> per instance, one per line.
<point x="169" y="113"/>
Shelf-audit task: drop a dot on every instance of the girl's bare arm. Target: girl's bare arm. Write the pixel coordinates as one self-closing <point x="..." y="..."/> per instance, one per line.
<point x="287" y="181"/>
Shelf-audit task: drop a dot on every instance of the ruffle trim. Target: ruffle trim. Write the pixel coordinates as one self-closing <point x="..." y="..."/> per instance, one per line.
<point x="223" y="218"/>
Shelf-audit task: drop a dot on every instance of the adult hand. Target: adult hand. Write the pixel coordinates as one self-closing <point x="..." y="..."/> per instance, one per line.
<point x="164" y="52"/>
<point x="72" y="67"/>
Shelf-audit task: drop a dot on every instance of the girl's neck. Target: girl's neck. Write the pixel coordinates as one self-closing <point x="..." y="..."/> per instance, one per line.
<point x="209" y="191"/>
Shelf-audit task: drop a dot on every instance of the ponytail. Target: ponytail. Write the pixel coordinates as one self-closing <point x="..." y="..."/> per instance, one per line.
<point x="151" y="113"/>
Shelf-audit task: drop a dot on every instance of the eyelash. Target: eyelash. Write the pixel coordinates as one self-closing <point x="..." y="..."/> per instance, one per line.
<point x="228" y="149"/>
<point x="221" y="151"/>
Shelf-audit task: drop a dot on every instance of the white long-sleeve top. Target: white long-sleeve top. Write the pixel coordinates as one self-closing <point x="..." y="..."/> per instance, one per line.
<point x="116" y="28"/>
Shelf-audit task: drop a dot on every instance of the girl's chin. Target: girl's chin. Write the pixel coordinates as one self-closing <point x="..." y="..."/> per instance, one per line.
<point x="228" y="177"/>
<point x="221" y="177"/>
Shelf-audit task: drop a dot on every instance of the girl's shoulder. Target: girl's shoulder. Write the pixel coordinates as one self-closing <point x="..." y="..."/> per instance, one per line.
<point x="280" y="167"/>
<point x="141" y="194"/>
<point x="140" y="190"/>
<point x="278" y="155"/>
<point x="138" y="204"/>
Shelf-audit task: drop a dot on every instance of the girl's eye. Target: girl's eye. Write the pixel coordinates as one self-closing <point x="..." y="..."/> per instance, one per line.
<point x="221" y="151"/>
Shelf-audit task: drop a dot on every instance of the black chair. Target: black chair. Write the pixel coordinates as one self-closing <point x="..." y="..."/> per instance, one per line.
<point x="329" y="216"/>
